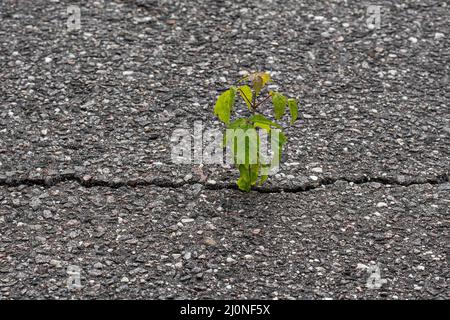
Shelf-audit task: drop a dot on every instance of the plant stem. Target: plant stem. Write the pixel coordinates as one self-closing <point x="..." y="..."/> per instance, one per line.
<point x="254" y="103"/>
<point x="262" y="101"/>
<point x="248" y="101"/>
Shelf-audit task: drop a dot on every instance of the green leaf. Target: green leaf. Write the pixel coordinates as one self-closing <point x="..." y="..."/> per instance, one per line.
<point x="262" y="122"/>
<point x="263" y="179"/>
<point x="262" y="125"/>
<point x="264" y="171"/>
<point x="254" y="170"/>
<point x="244" y="182"/>
<point x="246" y="94"/>
<point x="279" y="104"/>
<point x="238" y="123"/>
<point x="280" y="138"/>
<point x="224" y="105"/>
<point x="243" y="141"/>
<point x="293" y="108"/>
<point x="248" y="176"/>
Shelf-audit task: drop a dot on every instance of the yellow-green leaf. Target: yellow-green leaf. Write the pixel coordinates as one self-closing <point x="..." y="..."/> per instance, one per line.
<point x="264" y="172"/>
<point x="293" y="109"/>
<point x="262" y="122"/>
<point x="254" y="170"/>
<point x="246" y="94"/>
<point x="244" y="182"/>
<point x="238" y="123"/>
<point x="279" y="104"/>
<point x="259" y="80"/>
<point x="278" y="137"/>
<point x="263" y="179"/>
<point x="224" y="105"/>
<point x="265" y="77"/>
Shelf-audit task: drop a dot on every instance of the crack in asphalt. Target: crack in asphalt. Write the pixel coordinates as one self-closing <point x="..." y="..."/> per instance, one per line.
<point x="386" y="181"/>
<point x="90" y="182"/>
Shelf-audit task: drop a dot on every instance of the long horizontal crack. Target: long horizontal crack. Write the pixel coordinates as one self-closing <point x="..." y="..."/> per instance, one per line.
<point x="89" y="182"/>
<point x="440" y="179"/>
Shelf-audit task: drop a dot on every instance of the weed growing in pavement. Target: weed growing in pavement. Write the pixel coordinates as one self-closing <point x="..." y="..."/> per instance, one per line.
<point x="244" y="135"/>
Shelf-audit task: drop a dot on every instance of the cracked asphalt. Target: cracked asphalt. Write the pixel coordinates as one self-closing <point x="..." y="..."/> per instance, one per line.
<point x="86" y="178"/>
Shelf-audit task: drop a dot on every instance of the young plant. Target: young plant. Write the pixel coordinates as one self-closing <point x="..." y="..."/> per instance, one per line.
<point x="243" y="135"/>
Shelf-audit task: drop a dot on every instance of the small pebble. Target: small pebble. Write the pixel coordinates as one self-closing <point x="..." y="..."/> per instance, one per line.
<point x="210" y="241"/>
<point x="438" y="35"/>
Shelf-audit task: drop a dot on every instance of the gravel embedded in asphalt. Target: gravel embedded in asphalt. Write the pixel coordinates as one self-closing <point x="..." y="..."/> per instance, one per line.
<point x="86" y="178"/>
<point x="107" y="102"/>
<point x="150" y="242"/>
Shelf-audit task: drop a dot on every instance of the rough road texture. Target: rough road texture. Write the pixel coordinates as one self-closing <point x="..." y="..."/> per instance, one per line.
<point x="86" y="177"/>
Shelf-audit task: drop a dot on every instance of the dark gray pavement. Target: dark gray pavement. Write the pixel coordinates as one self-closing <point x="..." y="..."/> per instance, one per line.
<point x="86" y="177"/>
<point x="150" y="242"/>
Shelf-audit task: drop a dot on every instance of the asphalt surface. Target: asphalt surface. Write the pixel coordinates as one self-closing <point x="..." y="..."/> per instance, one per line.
<point x="150" y="242"/>
<point x="86" y="177"/>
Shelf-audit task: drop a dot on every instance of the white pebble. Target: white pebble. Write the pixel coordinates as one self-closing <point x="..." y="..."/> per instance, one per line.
<point x="438" y="35"/>
<point x="230" y="260"/>
<point x="392" y="72"/>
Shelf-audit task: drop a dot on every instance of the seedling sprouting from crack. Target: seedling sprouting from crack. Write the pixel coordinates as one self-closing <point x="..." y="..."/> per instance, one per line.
<point x="244" y="135"/>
